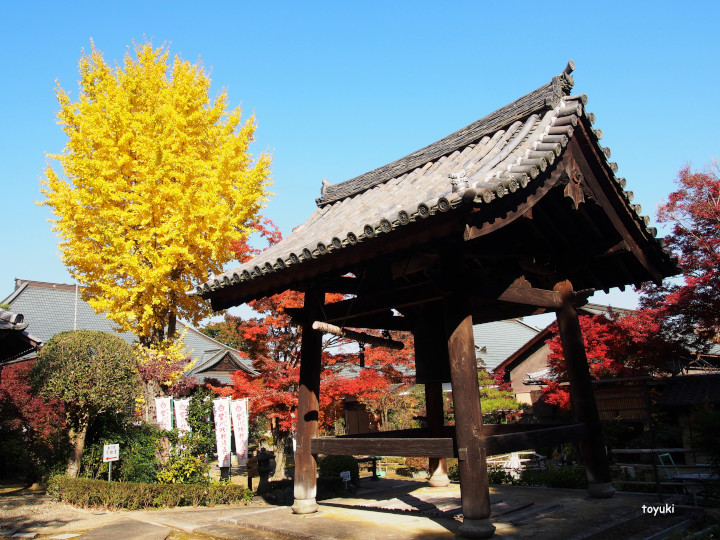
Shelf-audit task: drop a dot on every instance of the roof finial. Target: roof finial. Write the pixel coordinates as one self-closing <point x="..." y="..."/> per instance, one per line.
<point x="569" y="68"/>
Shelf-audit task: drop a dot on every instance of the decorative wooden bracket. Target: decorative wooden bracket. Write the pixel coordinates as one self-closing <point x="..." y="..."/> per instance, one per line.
<point x="522" y="292"/>
<point x="580" y="298"/>
<point x="574" y="189"/>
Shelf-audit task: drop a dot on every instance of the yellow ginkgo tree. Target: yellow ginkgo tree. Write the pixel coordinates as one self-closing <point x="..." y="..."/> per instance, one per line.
<point x="156" y="183"/>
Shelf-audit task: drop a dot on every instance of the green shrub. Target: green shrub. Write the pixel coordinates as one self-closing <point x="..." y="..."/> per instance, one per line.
<point x="89" y="493"/>
<point x="554" y="477"/>
<point x="498" y="475"/>
<point x="417" y="463"/>
<point x="414" y="467"/>
<point x="332" y="466"/>
<point x="453" y="472"/>
<point x="138" y="450"/>
<point x="201" y="439"/>
<point x="184" y="469"/>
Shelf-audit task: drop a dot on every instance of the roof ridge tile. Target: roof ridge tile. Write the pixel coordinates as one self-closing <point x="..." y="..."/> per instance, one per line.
<point x="546" y="97"/>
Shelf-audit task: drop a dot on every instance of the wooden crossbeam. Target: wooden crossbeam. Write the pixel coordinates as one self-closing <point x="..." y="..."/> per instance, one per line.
<point x="379" y="302"/>
<point x="378" y="321"/>
<point x="358" y="336"/>
<point x="407" y="447"/>
<point x="414" y="443"/>
<point x="373" y="310"/>
<point x="537" y="438"/>
<point x="521" y="291"/>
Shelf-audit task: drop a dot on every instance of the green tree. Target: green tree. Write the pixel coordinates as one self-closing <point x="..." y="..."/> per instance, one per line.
<point x="91" y="373"/>
<point x="496" y="400"/>
<point x="201" y="439"/>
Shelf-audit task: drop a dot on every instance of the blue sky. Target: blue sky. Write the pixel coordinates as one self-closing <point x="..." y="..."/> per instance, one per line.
<point x="339" y="88"/>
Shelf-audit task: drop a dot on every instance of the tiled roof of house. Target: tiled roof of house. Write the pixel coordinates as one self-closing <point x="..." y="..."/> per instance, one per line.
<point x="15" y="340"/>
<point x="50" y="308"/>
<point x="496" y="341"/>
<point x="536" y="339"/>
<point x="477" y="165"/>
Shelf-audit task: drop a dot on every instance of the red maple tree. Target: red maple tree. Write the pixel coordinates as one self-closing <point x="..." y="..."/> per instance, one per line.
<point x="677" y="319"/>
<point x="272" y="342"/>
<point x="690" y="307"/>
<point x="37" y="422"/>
<point x="616" y="345"/>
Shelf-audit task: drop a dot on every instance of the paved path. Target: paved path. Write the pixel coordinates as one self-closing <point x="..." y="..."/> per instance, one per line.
<point x="397" y="509"/>
<point x="403" y="510"/>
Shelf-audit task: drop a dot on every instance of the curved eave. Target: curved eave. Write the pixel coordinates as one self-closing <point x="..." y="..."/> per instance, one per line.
<point x="420" y="205"/>
<point x="640" y="240"/>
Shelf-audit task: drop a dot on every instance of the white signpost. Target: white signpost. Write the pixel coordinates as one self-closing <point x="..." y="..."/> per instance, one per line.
<point x="345" y="477"/>
<point x="111" y="452"/>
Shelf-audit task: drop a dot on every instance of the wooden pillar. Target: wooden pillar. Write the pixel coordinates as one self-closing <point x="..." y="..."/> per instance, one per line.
<point x="432" y="369"/>
<point x="582" y="395"/>
<point x="435" y="423"/>
<point x="308" y="407"/>
<point x="474" y="486"/>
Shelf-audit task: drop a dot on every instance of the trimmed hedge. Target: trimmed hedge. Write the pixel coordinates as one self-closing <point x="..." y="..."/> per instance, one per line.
<point x="89" y="493"/>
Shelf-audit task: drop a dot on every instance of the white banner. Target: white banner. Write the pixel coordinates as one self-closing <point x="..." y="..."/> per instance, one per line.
<point x="163" y="411"/>
<point x="221" y="410"/>
<point x="239" y="408"/>
<point x="181" y="411"/>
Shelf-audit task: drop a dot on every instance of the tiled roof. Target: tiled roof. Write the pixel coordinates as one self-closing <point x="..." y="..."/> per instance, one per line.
<point x="542" y="335"/>
<point x="15" y="340"/>
<point x="211" y="357"/>
<point x="496" y="341"/>
<point x="545" y="97"/>
<point x="12" y="321"/>
<point x="477" y="165"/>
<point x="49" y="308"/>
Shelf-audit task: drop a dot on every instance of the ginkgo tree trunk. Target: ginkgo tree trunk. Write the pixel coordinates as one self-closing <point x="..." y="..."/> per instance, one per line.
<point x="156" y="182"/>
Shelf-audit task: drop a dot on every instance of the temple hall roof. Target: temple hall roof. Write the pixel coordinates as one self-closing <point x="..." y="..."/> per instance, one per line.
<point x="506" y="156"/>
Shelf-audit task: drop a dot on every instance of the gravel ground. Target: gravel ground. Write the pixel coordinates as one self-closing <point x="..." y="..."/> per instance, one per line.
<point x="29" y="510"/>
<point x="32" y="511"/>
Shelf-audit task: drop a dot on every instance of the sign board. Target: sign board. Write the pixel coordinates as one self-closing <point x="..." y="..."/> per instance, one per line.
<point x="111" y="452"/>
<point x="345" y="475"/>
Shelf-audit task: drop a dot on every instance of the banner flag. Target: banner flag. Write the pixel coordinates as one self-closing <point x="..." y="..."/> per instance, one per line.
<point x="221" y="410"/>
<point x="240" y="422"/>
<point x="181" y="411"/>
<point x="163" y="410"/>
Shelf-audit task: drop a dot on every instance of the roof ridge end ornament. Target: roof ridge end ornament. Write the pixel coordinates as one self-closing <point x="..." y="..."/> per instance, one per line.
<point x="459" y="180"/>
<point x="564" y="82"/>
